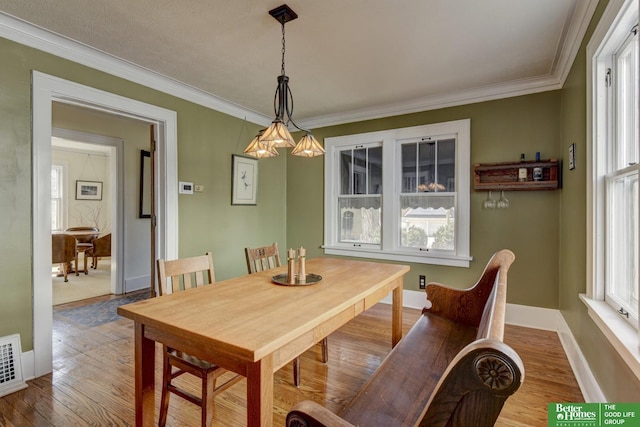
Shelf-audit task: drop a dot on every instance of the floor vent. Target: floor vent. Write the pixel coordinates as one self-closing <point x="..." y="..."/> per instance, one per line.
<point x="10" y="367"/>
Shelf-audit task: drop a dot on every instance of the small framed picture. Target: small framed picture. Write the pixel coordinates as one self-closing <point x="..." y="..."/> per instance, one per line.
<point x="88" y="190"/>
<point x="572" y="156"/>
<point x="244" y="190"/>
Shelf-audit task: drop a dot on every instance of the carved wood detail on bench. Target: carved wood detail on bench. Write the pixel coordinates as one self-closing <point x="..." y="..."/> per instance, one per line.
<point x="451" y="369"/>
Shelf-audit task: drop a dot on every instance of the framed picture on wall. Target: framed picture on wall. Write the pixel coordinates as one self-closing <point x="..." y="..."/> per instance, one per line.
<point x="244" y="190"/>
<point x="88" y="190"/>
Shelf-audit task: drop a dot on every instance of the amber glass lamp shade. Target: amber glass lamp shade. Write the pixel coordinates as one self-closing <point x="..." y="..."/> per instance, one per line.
<point x="277" y="135"/>
<point x="259" y="149"/>
<point x="308" y="147"/>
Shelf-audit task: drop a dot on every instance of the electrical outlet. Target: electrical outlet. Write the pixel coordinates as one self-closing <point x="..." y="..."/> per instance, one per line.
<point x="422" y="282"/>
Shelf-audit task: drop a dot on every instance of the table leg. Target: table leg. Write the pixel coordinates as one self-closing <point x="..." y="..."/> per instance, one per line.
<point x="396" y="316"/>
<point x="260" y="393"/>
<point x="144" y="377"/>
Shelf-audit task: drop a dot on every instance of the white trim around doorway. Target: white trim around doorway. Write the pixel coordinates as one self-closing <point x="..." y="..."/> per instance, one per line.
<point x="45" y="90"/>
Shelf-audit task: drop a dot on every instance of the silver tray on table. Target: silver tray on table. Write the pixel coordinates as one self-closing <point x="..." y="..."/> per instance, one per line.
<point x="283" y="279"/>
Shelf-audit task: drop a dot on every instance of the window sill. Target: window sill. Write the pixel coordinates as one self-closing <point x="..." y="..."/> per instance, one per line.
<point x="622" y="336"/>
<point x="423" y="258"/>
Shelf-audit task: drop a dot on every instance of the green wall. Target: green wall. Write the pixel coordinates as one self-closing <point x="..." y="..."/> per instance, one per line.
<point x="500" y="131"/>
<point x="613" y="375"/>
<point x="206" y="141"/>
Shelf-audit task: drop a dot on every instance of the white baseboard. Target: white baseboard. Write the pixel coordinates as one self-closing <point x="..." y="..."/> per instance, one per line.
<point x="538" y="318"/>
<point x="137" y="283"/>
<point x="27" y="359"/>
<point x="552" y="320"/>
<point x="410" y="299"/>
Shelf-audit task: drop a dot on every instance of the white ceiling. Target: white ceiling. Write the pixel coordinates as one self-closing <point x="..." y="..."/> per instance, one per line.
<point x="347" y="59"/>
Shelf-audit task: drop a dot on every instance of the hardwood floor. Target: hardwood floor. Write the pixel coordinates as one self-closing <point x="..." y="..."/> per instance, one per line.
<point x="92" y="380"/>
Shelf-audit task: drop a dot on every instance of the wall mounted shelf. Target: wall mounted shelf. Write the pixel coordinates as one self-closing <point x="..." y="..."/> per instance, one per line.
<point x="504" y="176"/>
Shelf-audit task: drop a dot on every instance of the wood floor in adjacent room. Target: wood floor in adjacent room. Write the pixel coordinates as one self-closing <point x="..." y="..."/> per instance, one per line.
<point x="92" y="380"/>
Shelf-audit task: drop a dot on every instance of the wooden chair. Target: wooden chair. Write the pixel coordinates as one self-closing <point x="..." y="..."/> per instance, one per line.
<point x="63" y="252"/>
<point x="100" y="247"/>
<point x="174" y="276"/>
<point x="263" y="258"/>
<point x="266" y="258"/>
<point x="83" y="241"/>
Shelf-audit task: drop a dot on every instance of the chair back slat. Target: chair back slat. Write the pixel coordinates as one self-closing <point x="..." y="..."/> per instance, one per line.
<point x="262" y="258"/>
<point x="181" y="273"/>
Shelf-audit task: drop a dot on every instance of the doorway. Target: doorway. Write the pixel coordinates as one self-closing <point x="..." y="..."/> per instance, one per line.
<point x="87" y="157"/>
<point x="46" y="90"/>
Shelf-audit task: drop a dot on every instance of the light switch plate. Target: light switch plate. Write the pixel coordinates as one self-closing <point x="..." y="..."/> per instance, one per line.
<point x="185" y="187"/>
<point x="572" y="156"/>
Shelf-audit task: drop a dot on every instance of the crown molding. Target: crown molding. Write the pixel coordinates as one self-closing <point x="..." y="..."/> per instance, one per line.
<point x="36" y="37"/>
<point x="572" y="40"/>
<point x="451" y="99"/>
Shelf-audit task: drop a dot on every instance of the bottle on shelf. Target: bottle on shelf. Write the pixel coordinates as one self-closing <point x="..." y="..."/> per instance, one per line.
<point x="522" y="172"/>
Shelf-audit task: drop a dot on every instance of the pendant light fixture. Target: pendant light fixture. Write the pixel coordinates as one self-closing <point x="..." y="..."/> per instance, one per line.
<point x="277" y="134"/>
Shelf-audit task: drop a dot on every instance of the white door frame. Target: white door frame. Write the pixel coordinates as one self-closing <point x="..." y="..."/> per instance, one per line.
<point x="45" y="90"/>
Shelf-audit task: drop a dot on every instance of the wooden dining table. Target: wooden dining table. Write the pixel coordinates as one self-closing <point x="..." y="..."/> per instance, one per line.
<point x="253" y="326"/>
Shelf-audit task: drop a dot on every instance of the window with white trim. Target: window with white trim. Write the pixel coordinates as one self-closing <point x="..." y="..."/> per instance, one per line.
<point x="401" y="194"/>
<point x="57" y="198"/>
<point x="617" y="165"/>
<point x="621" y="187"/>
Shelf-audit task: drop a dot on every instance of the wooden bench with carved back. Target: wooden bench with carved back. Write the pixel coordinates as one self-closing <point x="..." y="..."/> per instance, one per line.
<point x="451" y="369"/>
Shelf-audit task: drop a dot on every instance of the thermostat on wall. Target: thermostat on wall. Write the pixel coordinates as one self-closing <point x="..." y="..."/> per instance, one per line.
<point x="185" y="187"/>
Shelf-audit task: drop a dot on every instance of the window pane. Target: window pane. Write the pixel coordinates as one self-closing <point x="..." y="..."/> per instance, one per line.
<point x="345" y="172"/>
<point x="623" y="248"/>
<point x="56" y="197"/>
<point x="429" y="166"/>
<point x="360" y="220"/>
<point x="375" y="170"/>
<point x="361" y="171"/>
<point x="55" y="182"/>
<point x="446" y="165"/>
<point x="428" y="221"/>
<point x="54" y="215"/>
<point x="627" y="103"/>
<point x="409" y="171"/>
<point x="426" y="166"/>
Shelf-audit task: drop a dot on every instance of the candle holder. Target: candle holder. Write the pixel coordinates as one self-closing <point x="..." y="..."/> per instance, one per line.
<point x="291" y="278"/>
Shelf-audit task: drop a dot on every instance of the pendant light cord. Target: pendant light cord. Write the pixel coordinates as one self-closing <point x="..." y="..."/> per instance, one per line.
<point x="244" y="122"/>
<point x="283" y="47"/>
